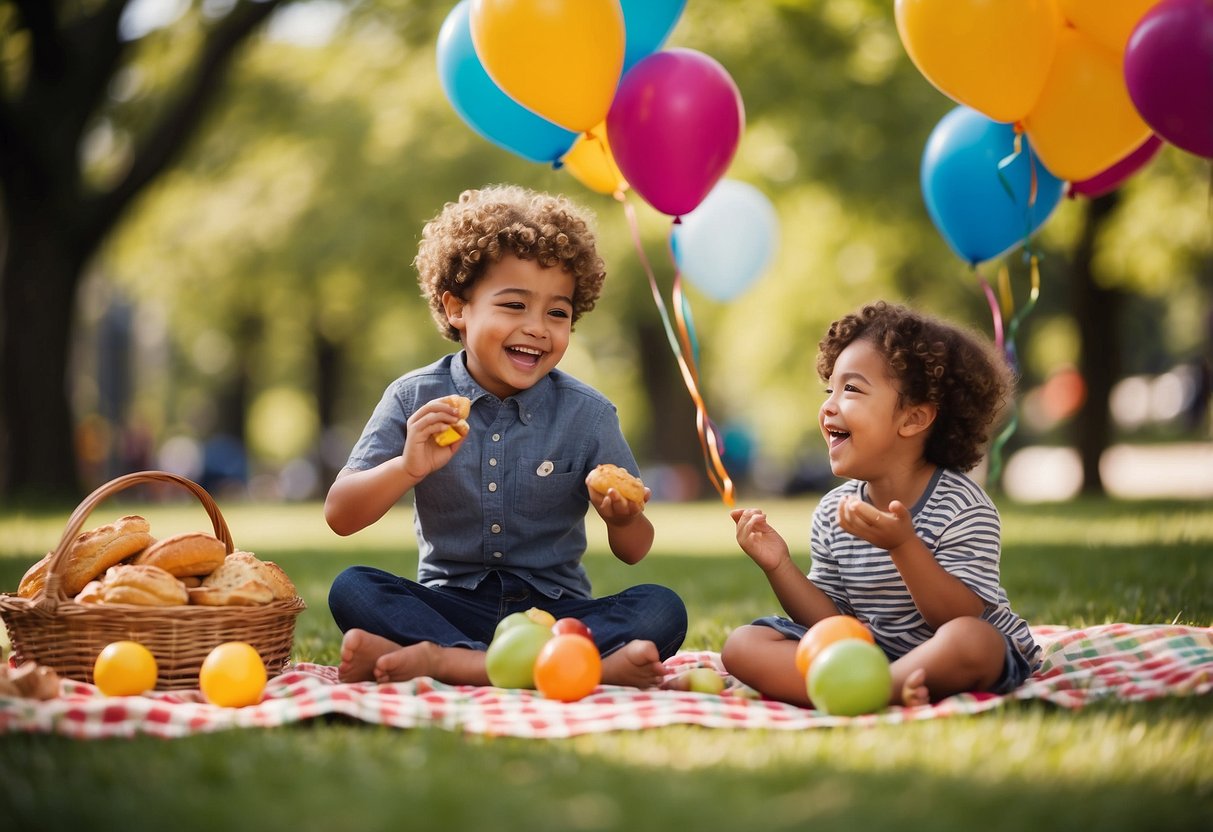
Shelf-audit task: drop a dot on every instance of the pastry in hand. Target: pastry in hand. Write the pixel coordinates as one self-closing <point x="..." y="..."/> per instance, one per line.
<point x="457" y="431"/>
<point x="606" y="476"/>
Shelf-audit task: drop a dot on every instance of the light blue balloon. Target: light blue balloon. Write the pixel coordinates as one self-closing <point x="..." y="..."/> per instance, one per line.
<point x="966" y="193"/>
<point x="483" y="105"/>
<point x="728" y="241"/>
<point x="647" y="24"/>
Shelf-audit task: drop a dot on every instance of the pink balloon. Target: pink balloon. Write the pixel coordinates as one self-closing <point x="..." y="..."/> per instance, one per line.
<point x="1112" y="178"/>
<point x="674" y="127"/>
<point x="1169" y="72"/>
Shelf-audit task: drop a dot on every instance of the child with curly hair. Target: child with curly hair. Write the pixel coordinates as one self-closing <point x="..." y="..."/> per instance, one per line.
<point x="909" y="545"/>
<point x="499" y="514"/>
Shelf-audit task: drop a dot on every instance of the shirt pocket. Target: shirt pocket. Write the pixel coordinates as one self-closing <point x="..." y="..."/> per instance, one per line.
<point x="544" y="487"/>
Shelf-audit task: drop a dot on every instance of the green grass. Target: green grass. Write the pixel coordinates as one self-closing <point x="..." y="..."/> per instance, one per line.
<point x="1112" y="766"/>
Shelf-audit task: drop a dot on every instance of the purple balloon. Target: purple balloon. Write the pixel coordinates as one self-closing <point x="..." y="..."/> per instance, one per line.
<point x="1112" y="178"/>
<point x="1169" y="72"/>
<point x="674" y="126"/>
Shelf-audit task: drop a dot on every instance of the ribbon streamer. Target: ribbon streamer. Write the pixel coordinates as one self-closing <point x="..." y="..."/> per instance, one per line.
<point x="685" y="347"/>
<point x="1009" y="349"/>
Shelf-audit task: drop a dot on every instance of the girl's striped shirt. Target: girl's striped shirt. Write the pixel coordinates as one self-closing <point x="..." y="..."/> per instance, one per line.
<point x="957" y="522"/>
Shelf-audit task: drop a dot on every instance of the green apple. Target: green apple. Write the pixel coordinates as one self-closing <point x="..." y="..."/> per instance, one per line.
<point x="850" y="677"/>
<point x="510" y="660"/>
<point x="704" y="680"/>
<point x="510" y="621"/>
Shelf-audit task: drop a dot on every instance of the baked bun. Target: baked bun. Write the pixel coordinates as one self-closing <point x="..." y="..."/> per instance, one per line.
<point x="187" y="554"/>
<point x="606" y="476"/>
<point x="91" y="553"/>
<point x="91" y="594"/>
<point x="457" y="431"/>
<point x="242" y="580"/>
<point x="146" y="586"/>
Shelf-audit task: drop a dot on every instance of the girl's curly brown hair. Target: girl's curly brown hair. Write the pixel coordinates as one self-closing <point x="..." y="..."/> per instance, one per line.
<point x="933" y="362"/>
<point x="487" y="224"/>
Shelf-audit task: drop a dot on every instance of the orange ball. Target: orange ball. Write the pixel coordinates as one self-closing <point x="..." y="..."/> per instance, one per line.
<point x="568" y="667"/>
<point x="824" y="633"/>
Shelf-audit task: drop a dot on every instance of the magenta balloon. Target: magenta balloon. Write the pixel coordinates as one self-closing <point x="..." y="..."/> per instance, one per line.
<point x="1112" y="178"/>
<point x="674" y="127"/>
<point x="1169" y="72"/>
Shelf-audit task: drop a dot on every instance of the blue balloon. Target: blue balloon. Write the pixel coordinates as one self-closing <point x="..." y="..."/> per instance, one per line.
<point x="483" y="105"/>
<point x="727" y="242"/>
<point x="966" y="192"/>
<point x="647" y="23"/>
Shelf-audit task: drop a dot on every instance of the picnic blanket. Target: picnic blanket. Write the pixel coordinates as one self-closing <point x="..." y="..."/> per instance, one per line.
<point x="1114" y="661"/>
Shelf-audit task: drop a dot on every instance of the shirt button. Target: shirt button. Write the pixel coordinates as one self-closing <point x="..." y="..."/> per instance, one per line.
<point x="492" y="486"/>
<point x="497" y="554"/>
<point x="493" y="462"/>
<point x="496" y="437"/>
<point x="496" y="527"/>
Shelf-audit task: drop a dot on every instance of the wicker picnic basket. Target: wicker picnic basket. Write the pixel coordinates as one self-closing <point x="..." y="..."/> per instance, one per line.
<point x="53" y="630"/>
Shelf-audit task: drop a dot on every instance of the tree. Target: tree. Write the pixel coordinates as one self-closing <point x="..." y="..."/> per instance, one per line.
<point x="63" y="61"/>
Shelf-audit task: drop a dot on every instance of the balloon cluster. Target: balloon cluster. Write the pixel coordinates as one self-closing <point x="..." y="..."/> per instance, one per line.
<point x="585" y="85"/>
<point x="1095" y="87"/>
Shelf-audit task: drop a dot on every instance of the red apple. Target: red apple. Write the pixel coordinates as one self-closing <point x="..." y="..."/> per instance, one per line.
<point x="573" y="626"/>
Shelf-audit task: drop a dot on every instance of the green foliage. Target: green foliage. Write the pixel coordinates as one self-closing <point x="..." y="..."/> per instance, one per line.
<point x="300" y="204"/>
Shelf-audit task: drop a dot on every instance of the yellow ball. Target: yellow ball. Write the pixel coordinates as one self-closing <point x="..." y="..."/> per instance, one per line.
<point x="232" y="675"/>
<point x="125" y="668"/>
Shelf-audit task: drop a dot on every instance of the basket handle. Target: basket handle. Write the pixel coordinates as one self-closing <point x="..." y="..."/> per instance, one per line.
<point x="52" y="592"/>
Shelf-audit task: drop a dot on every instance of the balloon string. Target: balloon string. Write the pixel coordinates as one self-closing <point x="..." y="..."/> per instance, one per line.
<point x="1013" y="360"/>
<point x="709" y="440"/>
<point x="995" y="311"/>
<point x="685" y="354"/>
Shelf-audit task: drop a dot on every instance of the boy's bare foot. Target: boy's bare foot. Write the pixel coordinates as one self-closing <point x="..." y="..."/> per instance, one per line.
<point x="360" y="651"/>
<point x="405" y="663"/>
<point x="637" y="664"/>
<point x="914" y="692"/>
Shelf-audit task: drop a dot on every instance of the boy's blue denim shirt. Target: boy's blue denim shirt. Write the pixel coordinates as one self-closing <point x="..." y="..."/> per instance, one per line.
<point x="513" y="497"/>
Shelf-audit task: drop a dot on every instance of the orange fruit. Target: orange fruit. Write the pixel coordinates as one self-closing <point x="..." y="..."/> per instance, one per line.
<point x="232" y="675"/>
<point x="824" y="633"/>
<point x="125" y="668"/>
<point x="568" y="667"/>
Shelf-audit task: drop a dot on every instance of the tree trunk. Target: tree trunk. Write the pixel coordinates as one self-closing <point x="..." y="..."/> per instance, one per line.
<point x="1098" y="311"/>
<point x="41" y="279"/>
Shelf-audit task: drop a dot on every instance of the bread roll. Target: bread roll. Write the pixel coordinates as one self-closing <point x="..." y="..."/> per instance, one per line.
<point x="242" y="580"/>
<point x="460" y="429"/>
<point x="91" y="553"/>
<point x="146" y="586"/>
<point x="186" y="554"/>
<point x="606" y="476"/>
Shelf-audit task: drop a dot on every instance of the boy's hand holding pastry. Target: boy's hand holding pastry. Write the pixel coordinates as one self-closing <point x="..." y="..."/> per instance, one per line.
<point x="616" y="494"/>
<point x="434" y="433"/>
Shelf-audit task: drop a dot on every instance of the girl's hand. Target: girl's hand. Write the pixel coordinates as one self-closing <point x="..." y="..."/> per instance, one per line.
<point x="885" y="529"/>
<point x="422" y="455"/>
<point x="759" y="540"/>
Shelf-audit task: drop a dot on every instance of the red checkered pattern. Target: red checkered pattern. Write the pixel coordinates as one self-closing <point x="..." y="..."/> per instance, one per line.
<point x="1120" y="661"/>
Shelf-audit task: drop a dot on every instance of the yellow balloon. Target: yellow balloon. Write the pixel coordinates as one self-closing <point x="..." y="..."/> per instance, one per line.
<point x="592" y="164"/>
<point x="560" y="59"/>
<point x="1085" y="121"/>
<point x="991" y="55"/>
<point x="1109" y="22"/>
